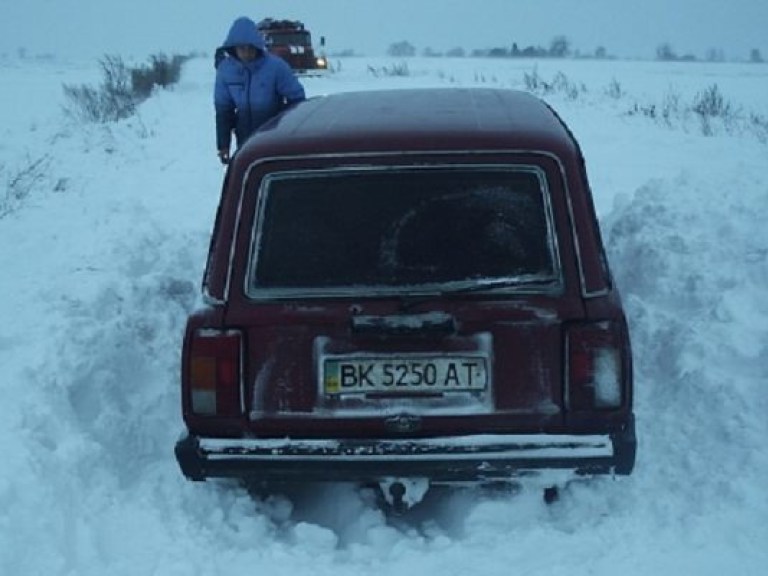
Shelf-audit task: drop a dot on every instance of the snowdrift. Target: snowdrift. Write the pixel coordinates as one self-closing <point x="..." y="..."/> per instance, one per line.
<point x="101" y="255"/>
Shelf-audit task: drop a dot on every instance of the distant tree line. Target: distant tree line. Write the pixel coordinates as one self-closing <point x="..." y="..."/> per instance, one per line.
<point x="666" y="53"/>
<point x="559" y="47"/>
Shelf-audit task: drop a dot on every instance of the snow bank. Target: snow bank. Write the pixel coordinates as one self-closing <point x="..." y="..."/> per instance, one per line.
<point x="101" y="263"/>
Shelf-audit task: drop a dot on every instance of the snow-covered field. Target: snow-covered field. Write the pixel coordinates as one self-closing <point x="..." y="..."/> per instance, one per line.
<point x="103" y="235"/>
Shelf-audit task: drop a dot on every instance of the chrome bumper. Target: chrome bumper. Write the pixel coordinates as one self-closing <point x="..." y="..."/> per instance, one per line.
<point x="474" y="458"/>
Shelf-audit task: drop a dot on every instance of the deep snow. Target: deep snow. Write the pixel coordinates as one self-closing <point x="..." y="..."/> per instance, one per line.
<point x="103" y="235"/>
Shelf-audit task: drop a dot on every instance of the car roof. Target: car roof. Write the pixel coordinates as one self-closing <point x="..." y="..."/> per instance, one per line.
<point x="414" y="119"/>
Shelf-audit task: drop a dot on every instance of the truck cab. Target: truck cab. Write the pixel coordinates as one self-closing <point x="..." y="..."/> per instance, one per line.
<point x="292" y="41"/>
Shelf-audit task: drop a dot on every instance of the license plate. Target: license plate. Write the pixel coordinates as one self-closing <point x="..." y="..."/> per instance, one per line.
<point x="404" y="375"/>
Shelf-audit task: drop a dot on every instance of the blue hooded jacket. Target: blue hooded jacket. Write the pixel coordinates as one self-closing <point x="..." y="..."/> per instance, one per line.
<point x="247" y="94"/>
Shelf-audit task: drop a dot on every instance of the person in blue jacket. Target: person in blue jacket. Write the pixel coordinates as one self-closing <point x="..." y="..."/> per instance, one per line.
<point x="252" y="86"/>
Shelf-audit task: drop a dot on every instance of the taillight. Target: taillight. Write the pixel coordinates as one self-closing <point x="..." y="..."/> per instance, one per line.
<point x="596" y="371"/>
<point x="213" y="372"/>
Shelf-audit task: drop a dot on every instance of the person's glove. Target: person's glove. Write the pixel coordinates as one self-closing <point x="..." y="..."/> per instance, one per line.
<point x="224" y="155"/>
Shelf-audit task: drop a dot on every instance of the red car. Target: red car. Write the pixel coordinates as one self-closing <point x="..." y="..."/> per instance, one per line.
<point x="405" y="288"/>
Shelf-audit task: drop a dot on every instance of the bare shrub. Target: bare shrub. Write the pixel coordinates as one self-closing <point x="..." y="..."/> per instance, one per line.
<point x="535" y="83"/>
<point x="560" y="83"/>
<point x="710" y="105"/>
<point x="162" y="71"/>
<point x="398" y="69"/>
<point x="142" y="82"/>
<point x="84" y="103"/>
<point x="758" y="124"/>
<point x="713" y="112"/>
<point x="711" y="102"/>
<point x="671" y="108"/>
<point x="113" y="100"/>
<point x="614" y="90"/>
<point x="122" y="88"/>
<point x="20" y="185"/>
<point x="647" y="110"/>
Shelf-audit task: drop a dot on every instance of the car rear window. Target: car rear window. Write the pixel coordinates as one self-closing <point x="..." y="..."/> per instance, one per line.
<point x="389" y="229"/>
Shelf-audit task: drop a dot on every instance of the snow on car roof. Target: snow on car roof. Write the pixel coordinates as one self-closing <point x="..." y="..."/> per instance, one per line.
<point x="421" y="119"/>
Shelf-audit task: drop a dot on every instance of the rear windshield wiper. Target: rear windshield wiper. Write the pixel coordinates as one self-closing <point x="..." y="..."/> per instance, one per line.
<point x="410" y="301"/>
<point x="497" y="283"/>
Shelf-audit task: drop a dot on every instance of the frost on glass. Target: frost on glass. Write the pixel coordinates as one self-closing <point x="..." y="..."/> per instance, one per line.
<point x="402" y="228"/>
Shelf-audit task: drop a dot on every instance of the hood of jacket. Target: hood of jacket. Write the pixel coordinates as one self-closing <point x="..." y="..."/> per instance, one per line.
<point x="243" y="31"/>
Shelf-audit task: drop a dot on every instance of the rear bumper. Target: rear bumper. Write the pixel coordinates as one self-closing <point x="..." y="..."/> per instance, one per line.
<point x="474" y="458"/>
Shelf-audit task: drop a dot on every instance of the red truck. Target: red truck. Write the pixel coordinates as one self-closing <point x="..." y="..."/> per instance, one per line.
<point x="290" y="40"/>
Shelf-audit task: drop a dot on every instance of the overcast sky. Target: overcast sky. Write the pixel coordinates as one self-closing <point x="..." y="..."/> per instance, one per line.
<point x="631" y="28"/>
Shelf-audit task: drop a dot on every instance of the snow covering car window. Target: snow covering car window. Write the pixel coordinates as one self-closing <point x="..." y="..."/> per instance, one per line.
<point x="390" y="228"/>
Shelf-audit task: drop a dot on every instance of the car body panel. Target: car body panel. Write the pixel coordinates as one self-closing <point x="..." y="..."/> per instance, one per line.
<point x="377" y="377"/>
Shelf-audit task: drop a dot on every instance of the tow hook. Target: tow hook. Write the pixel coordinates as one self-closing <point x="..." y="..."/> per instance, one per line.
<point x="403" y="423"/>
<point x="403" y="493"/>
